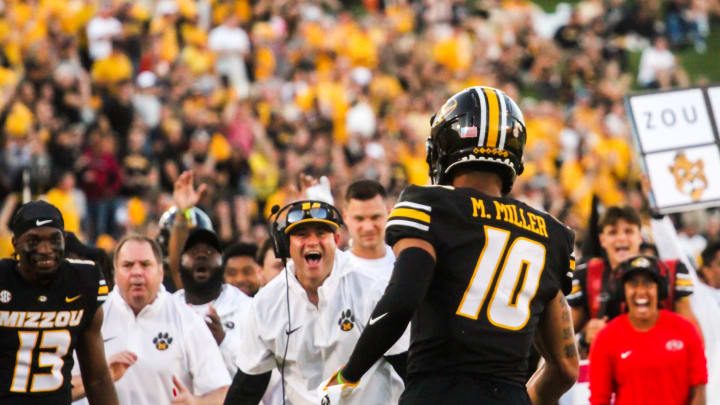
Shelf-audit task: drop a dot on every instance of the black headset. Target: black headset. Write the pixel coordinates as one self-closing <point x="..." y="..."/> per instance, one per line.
<point x="295" y="213"/>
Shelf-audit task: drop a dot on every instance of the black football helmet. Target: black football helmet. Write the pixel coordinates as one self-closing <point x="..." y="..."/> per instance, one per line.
<point x="197" y="219"/>
<point x="479" y="125"/>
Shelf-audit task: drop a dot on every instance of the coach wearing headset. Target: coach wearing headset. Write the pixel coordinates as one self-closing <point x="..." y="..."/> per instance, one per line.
<point x="647" y="356"/>
<point x="307" y="320"/>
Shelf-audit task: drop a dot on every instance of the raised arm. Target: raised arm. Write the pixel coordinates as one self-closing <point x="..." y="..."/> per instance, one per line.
<point x="184" y="197"/>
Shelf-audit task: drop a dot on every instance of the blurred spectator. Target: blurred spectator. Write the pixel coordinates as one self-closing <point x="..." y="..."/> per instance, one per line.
<point x="232" y="45"/>
<point x="658" y="67"/>
<point x="101" y="30"/>
<point x="145" y="100"/>
<point x="100" y="180"/>
<point x="270" y="266"/>
<point x="241" y="270"/>
<point x="70" y="201"/>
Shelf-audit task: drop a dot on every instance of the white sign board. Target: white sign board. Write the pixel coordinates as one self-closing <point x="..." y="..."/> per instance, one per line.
<point x="676" y="134"/>
<point x="671" y="120"/>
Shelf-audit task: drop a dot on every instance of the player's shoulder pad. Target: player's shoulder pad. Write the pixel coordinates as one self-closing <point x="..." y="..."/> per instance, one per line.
<point x="423" y="194"/>
<point x="85" y="268"/>
<point x="81" y="262"/>
<point x="414" y="208"/>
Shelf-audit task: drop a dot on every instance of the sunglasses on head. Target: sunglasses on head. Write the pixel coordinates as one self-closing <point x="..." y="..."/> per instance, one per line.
<point x="311" y="211"/>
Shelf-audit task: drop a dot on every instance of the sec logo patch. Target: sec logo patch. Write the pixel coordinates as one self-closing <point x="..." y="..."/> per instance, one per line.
<point x="5" y="296"/>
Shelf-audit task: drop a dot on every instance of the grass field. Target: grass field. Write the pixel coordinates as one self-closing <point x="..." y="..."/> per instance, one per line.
<point x="699" y="66"/>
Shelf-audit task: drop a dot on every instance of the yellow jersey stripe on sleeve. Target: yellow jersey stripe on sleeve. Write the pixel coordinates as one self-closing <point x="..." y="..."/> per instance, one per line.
<point x="103" y="290"/>
<point x="410" y="213"/>
<point x="680" y="282"/>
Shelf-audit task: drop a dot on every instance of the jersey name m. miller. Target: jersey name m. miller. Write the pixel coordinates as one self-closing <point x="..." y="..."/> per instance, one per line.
<point x="499" y="262"/>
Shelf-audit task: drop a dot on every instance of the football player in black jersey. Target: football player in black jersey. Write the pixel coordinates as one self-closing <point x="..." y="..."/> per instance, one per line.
<point x="49" y="306"/>
<point x="477" y="272"/>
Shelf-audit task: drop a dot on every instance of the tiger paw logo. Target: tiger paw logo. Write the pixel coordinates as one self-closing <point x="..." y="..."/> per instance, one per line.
<point x="689" y="176"/>
<point x="162" y="341"/>
<point x="347" y="320"/>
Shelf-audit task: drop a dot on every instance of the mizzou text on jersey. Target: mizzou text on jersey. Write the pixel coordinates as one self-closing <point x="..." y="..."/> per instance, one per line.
<point x="497" y="267"/>
<point x="40" y="327"/>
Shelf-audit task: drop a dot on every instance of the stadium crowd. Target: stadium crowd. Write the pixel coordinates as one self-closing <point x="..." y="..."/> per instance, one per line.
<point x="106" y="103"/>
<point x="103" y="105"/>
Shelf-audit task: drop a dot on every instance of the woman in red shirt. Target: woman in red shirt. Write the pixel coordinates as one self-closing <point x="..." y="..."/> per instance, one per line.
<point x="647" y="356"/>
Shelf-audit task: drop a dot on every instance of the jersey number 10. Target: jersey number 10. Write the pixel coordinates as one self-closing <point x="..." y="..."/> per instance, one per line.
<point x="509" y="305"/>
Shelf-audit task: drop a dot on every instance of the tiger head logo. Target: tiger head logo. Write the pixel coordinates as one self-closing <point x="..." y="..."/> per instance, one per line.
<point x="689" y="176"/>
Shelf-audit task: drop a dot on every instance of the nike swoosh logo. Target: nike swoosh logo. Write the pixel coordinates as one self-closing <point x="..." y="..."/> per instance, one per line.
<point x="68" y="299"/>
<point x="373" y="321"/>
<point x="109" y="339"/>
<point x="625" y="355"/>
<point x="41" y="223"/>
<point x="290" y="332"/>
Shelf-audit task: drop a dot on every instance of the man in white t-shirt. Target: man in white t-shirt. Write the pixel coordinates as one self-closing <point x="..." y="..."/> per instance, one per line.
<point x="231" y="44"/>
<point x="220" y="304"/>
<point x="177" y="359"/>
<point x="366" y="214"/>
<point x="306" y="321"/>
<point x="656" y="61"/>
<point x="101" y="30"/>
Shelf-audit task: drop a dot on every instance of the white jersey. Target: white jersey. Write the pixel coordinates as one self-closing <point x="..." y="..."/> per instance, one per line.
<point x="380" y="268"/>
<point x="230" y="305"/>
<point x="169" y="339"/>
<point x="319" y="339"/>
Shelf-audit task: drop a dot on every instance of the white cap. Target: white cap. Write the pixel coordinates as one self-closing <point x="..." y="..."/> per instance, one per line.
<point x="146" y="79"/>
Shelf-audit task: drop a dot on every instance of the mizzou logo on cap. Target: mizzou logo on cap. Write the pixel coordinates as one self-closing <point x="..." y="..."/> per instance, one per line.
<point x="347" y="320"/>
<point x="162" y="341"/>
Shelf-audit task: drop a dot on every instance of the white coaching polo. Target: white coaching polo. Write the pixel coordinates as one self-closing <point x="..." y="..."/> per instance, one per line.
<point x="321" y="338"/>
<point x="169" y="339"/>
<point x="230" y="305"/>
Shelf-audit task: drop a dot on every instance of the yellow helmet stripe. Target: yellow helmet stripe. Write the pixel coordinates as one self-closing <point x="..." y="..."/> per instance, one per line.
<point x="493" y="118"/>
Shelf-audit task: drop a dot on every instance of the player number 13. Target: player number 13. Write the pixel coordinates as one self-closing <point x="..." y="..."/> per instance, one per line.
<point x="509" y="305"/>
<point x="58" y="342"/>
